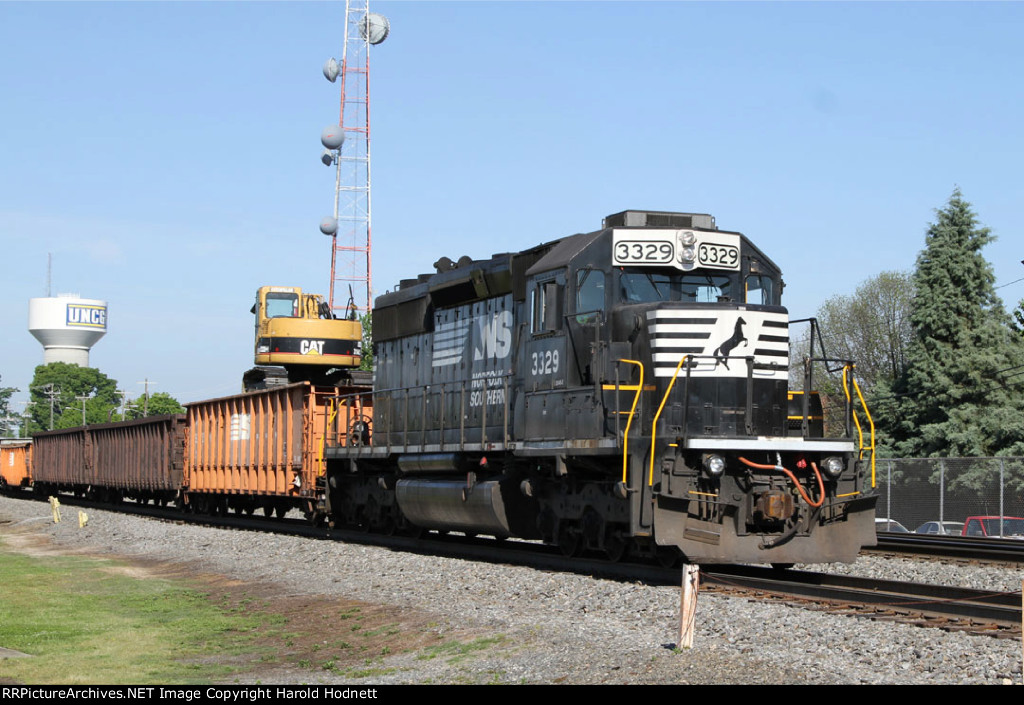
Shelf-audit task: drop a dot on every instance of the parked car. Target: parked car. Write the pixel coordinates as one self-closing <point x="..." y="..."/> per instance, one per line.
<point x="891" y="526"/>
<point x="994" y="526"/>
<point x="942" y="528"/>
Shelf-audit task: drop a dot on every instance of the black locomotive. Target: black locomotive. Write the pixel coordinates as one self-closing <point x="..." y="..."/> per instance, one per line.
<point x="620" y="390"/>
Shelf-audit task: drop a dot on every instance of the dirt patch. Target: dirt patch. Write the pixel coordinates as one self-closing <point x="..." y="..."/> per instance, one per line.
<point x="301" y="638"/>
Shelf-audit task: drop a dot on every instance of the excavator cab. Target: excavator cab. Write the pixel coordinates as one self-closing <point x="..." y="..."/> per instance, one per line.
<point x="299" y="339"/>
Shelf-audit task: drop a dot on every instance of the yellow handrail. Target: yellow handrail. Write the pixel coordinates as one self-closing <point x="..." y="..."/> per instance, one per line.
<point x="867" y="413"/>
<point x="849" y="400"/>
<point x="654" y="422"/>
<point x="629" y="422"/>
<point x="856" y="421"/>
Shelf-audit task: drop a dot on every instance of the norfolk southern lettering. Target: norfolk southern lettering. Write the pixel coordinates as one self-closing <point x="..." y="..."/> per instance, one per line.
<point x="87" y="316"/>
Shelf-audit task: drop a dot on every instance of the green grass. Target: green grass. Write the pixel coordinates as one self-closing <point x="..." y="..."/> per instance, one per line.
<point x="455" y="651"/>
<point x="82" y="622"/>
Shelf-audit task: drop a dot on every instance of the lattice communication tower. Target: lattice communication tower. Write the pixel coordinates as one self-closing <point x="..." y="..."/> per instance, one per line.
<point x="347" y="147"/>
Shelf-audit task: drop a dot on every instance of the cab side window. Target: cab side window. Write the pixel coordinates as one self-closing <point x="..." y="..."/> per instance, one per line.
<point x="760" y="289"/>
<point x="589" y="291"/>
<point x="546" y="307"/>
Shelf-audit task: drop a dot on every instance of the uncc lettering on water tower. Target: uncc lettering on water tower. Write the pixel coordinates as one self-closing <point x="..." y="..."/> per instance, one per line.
<point x="87" y="316"/>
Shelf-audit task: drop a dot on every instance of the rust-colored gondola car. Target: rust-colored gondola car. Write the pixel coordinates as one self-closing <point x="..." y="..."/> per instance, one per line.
<point x="140" y="459"/>
<point x="15" y="463"/>
<point x="259" y="450"/>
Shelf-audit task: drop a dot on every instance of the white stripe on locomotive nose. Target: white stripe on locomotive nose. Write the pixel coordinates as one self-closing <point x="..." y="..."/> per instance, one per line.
<point x="677" y="332"/>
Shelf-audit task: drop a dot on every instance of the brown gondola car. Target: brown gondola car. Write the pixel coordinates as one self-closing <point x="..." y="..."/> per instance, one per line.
<point x="140" y="459"/>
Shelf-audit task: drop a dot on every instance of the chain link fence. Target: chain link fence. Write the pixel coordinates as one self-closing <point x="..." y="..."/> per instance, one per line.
<point x="913" y="491"/>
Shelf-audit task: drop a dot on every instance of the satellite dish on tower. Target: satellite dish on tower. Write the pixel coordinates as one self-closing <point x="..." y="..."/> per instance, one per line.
<point x="374" y="28"/>
<point x="331" y="69"/>
<point x="329" y="225"/>
<point x="332" y="136"/>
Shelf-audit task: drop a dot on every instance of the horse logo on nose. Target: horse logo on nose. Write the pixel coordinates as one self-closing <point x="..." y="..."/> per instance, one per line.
<point x="721" y="353"/>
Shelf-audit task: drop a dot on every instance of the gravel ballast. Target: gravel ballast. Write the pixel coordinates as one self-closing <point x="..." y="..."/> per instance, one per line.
<point x="555" y="627"/>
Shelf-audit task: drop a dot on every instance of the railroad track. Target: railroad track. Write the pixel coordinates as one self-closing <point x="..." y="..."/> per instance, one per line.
<point x="951" y="608"/>
<point x="948" y="608"/>
<point x="960" y="547"/>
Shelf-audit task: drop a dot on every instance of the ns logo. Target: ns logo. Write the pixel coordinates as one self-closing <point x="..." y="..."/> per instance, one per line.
<point x="492" y="336"/>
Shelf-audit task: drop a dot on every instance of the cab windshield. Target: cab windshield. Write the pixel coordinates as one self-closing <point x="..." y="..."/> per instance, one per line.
<point x="639" y="286"/>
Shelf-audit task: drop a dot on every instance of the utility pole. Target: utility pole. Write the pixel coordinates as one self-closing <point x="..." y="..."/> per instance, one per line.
<point x="8" y="422"/>
<point x="124" y="401"/>
<point x="53" y="393"/>
<point x="145" y="396"/>
<point x="83" y="399"/>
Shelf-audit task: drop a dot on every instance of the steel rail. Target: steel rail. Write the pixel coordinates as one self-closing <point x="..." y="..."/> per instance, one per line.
<point x="980" y="607"/>
<point x="1005" y="550"/>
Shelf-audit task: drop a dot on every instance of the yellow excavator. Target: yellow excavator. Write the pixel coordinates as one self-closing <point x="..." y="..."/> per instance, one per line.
<point x="299" y="339"/>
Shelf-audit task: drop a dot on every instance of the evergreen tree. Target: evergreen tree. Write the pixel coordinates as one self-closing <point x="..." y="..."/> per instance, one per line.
<point x="367" y="322"/>
<point x="961" y="392"/>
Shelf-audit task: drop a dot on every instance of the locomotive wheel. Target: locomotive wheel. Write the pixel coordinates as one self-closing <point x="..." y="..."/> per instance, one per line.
<point x="615" y="547"/>
<point x="570" y="542"/>
<point x="668" y="556"/>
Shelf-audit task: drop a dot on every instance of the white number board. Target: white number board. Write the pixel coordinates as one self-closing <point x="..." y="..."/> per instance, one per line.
<point x="669" y="248"/>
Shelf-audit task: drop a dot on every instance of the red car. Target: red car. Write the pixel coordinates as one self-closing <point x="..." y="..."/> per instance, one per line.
<point x="989" y="526"/>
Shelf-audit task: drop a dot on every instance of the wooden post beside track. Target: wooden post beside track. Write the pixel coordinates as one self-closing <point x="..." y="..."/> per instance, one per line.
<point x="688" y="604"/>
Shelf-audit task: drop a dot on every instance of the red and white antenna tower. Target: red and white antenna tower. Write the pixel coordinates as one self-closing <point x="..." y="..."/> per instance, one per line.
<point x="347" y="146"/>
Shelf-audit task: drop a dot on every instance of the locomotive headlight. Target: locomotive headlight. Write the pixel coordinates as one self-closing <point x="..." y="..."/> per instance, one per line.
<point x="833" y="465"/>
<point x="714" y="464"/>
<point x="688" y="254"/>
<point x="687" y="238"/>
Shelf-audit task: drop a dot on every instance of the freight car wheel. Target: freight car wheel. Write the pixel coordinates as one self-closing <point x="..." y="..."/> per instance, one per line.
<point x="281" y="510"/>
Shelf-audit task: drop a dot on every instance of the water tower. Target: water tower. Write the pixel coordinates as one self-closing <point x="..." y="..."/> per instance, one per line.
<point x="67" y="326"/>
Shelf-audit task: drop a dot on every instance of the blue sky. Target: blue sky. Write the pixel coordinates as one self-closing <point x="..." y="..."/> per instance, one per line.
<point x="167" y="153"/>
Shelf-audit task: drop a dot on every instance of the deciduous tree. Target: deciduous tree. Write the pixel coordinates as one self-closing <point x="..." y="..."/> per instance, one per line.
<point x="158" y="404"/>
<point x="60" y="386"/>
<point x="5" y="409"/>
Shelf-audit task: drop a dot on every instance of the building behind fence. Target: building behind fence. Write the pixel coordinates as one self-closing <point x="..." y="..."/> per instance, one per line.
<point x="915" y="490"/>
